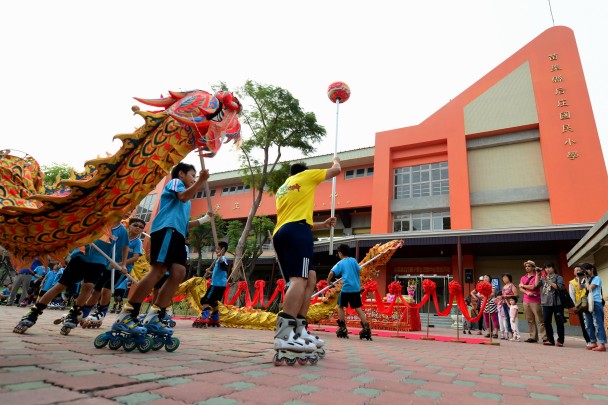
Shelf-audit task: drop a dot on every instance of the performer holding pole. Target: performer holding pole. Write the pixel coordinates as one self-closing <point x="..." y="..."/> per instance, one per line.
<point x="337" y="92"/>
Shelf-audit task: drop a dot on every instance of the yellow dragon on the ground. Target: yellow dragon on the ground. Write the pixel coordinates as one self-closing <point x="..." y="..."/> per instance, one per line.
<point x="249" y="318"/>
<point x="37" y="222"/>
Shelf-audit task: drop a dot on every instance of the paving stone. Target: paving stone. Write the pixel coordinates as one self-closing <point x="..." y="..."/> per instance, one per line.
<point x="137" y="398"/>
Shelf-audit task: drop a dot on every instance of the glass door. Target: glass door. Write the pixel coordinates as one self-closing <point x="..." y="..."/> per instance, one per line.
<point x="442" y="292"/>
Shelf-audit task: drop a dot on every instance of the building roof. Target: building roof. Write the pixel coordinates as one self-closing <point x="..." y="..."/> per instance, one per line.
<point x="354" y="157"/>
<point x="595" y="239"/>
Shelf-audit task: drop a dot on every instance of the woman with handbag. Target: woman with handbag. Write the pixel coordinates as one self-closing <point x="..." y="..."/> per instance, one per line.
<point x="594" y="319"/>
<point x="551" y="304"/>
<point x="577" y="290"/>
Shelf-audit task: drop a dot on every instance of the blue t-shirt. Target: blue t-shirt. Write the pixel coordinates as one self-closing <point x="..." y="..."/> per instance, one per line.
<point x="49" y="281"/>
<point x="349" y="269"/>
<point x="40" y="271"/>
<point x="172" y="212"/>
<point x="135" y="248"/>
<point x="219" y="278"/>
<point x="597" y="291"/>
<point x="120" y="238"/>
<point x="5" y="292"/>
<point x="58" y="276"/>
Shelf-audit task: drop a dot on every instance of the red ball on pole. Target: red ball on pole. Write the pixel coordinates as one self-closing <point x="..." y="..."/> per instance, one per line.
<point x="338" y="91"/>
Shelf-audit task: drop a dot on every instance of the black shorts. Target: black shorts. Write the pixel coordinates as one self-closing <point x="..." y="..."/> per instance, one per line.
<point x="160" y="283"/>
<point x="105" y="281"/>
<point x="168" y="247"/>
<point x="353" y="299"/>
<point x="214" y="295"/>
<point x="80" y="270"/>
<point x="293" y="245"/>
<point x="119" y="293"/>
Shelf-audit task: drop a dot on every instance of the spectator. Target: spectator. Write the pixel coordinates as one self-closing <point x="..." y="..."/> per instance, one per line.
<point x="508" y="290"/>
<point x="4" y="294"/>
<point x="514" y="318"/>
<point x="531" y="291"/>
<point x="22" y="281"/>
<point x="594" y="319"/>
<point x="490" y="313"/>
<point x="551" y="303"/>
<point x="578" y="289"/>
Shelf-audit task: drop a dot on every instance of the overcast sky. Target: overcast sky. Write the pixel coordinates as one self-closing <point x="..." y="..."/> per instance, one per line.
<point x="69" y="69"/>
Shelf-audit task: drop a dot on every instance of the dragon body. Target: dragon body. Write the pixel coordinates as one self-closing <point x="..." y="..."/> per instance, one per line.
<point x="37" y="222"/>
<point x="250" y="318"/>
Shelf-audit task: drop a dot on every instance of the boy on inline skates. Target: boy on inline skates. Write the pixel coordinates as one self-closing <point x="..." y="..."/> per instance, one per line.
<point x="293" y="244"/>
<point x="167" y="253"/>
<point x="102" y="292"/>
<point x="85" y="266"/>
<point x="350" y="294"/>
<point x="219" y="278"/>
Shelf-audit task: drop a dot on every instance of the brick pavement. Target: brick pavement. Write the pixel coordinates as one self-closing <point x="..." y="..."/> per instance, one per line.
<point x="231" y="366"/>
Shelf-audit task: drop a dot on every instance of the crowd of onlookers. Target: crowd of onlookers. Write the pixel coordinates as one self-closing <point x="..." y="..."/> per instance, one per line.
<point x="32" y="282"/>
<point x="545" y="297"/>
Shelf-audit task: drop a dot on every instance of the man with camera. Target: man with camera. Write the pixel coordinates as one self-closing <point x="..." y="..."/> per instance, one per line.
<point x="577" y="290"/>
<point x="529" y="285"/>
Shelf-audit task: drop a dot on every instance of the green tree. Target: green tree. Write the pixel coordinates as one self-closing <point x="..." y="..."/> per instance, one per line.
<point x="276" y="122"/>
<point x="56" y="171"/>
<point x="254" y="245"/>
<point x="201" y="237"/>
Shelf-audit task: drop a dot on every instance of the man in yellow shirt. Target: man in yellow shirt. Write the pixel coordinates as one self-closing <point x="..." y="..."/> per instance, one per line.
<point x="293" y="244"/>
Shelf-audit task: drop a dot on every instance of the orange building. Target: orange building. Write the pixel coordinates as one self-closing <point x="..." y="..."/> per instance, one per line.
<point x="509" y="170"/>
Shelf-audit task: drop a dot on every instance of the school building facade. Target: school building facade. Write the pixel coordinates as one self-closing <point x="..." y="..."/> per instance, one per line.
<point x="509" y="170"/>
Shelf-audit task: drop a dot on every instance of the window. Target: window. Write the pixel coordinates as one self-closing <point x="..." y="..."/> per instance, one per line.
<point x="421" y="181"/>
<point x="423" y="221"/>
<point x="362" y="172"/>
<point x="235" y="190"/>
<point x="144" y="209"/>
<point x="202" y="194"/>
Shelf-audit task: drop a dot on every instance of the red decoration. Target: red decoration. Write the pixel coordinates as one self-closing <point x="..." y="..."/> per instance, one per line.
<point x="338" y="91"/>
<point x="321" y="285"/>
<point x="429" y="286"/>
<point x="394" y="288"/>
<point x="484" y="288"/>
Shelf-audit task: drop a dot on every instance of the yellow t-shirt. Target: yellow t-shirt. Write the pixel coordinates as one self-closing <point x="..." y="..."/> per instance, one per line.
<point x="296" y="197"/>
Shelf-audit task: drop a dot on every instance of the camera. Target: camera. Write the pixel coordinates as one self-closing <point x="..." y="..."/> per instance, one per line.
<point x="581" y="273"/>
<point x="539" y="269"/>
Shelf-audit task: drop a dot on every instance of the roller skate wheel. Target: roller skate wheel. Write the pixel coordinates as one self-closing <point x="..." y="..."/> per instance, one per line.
<point x="115" y="344"/>
<point x="321" y="353"/>
<point x="157" y="344"/>
<point x="172" y="324"/>
<point x="290" y="362"/>
<point x="101" y="341"/>
<point x="146" y="345"/>
<point x="65" y="331"/>
<point x="276" y="360"/>
<point x="173" y="345"/>
<point x="57" y="321"/>
<point x="130" y="346"/>
<point x="20" y="329"/>
<point x="301" y="361"/>
<point x="313" y="360"/>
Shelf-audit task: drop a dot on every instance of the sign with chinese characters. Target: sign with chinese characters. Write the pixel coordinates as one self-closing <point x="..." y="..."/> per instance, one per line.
<point x="422" y="270"/>
<point x="564" y="108"/>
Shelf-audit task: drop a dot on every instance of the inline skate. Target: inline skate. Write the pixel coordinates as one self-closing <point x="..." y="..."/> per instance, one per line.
<point x="28" y="320"/>
<point x="71" y="320"/>
<point x="95" y="319"/>
<point x="214" y="320"/>
<point x="127" y="333"/>
<point x="161" y="335"/>
<point x="302" y="330"/>
<point x="168" y="318"/>
<point x="342" y="332"/>
<point x="366" y="332"/>
<point x="203" y="320"/>
<point x="289" y="346"/>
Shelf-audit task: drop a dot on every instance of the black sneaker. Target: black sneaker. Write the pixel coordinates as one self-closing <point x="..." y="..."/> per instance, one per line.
<point x="530" y="340"/>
